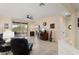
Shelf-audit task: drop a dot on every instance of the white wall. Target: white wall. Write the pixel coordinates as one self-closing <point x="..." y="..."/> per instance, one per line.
<point x="3" y="21"/>
<point x="70" y="34"/>
<point x="77" y="30"/>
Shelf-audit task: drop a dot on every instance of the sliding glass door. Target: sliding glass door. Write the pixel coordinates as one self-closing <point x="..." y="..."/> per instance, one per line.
<point x="20" y="29"/>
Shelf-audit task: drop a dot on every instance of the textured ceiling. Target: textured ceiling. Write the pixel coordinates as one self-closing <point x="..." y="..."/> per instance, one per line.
<point x="20" y="10"/>
<point x="75" y="5"/>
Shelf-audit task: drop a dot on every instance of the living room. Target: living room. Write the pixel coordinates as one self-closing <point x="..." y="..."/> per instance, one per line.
<point x="15" y="25"/>
<point x="43" y="25"/>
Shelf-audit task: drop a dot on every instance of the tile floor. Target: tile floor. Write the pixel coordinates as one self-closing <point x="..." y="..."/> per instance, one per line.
<point x="41" y="47"/>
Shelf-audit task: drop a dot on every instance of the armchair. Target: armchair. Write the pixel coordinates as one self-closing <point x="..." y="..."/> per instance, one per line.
<point x="20" y="46"/>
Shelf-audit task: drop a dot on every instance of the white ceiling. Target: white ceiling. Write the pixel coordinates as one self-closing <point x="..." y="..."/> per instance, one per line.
<point x="76" y="6"/>
<point x="20" y="10"/>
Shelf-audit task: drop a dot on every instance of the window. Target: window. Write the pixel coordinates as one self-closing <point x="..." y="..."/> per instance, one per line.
<point x="20" y="29"/>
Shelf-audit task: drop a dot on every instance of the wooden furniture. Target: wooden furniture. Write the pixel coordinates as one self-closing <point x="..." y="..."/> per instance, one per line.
<point x="44" y="35"/>
<point x="20" y="46"/>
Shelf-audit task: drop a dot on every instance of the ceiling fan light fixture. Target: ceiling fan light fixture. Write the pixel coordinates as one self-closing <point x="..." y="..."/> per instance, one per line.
<point x="42" y="4"/>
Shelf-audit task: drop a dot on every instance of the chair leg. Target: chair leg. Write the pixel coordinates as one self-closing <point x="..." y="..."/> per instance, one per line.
<point x="30" y="46"/>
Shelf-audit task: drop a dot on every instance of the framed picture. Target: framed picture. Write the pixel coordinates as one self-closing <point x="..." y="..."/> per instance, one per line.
<point x="44" y="23"/>
<point x="6" y="26"/>
<point x="32" y="33"/>
<point x="52" y="26"/>
<point x="78" y="22"/>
